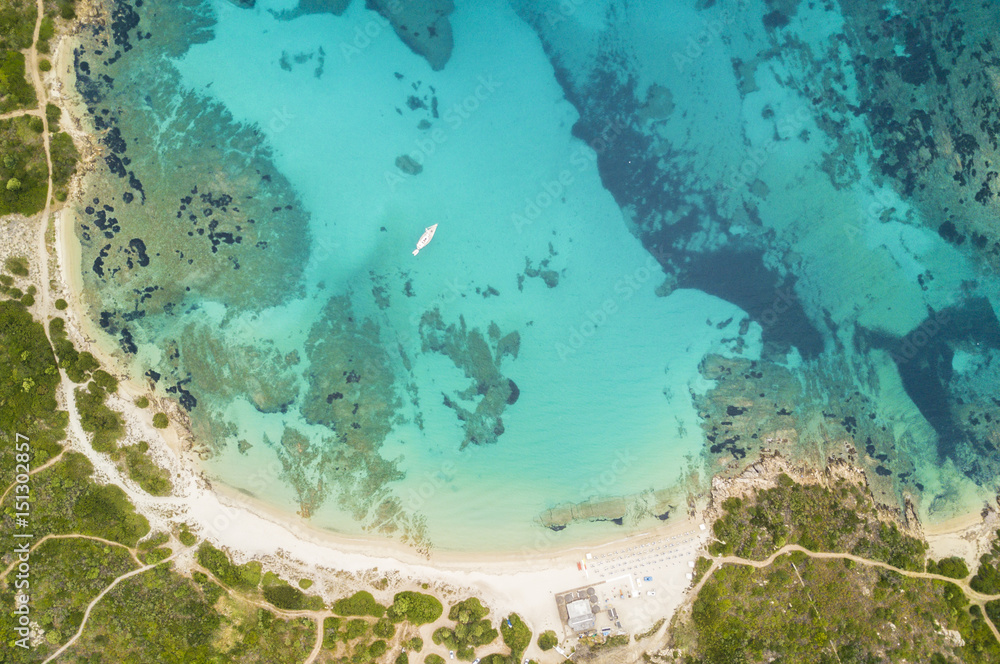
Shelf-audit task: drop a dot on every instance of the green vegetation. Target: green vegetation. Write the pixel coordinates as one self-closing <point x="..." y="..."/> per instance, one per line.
<point x="516" y="635"/>
<point x="64" y="160"/>
<point x="865" y="614"/>
<point x="652" y="630"/>
<point x="28" y="381"/>
<point x="15" y="91"/>
<point x="143" y="471"/>
<point x="361" y="603"/>
<point x="433" y="659"/>
<point x="548" y="640"/>
<point x="244" y="578"/>
<point x="160" y="616"/>
<point x="701" y="566"/>
<point x="816" y="518"/>
<point x="22" y="166"/>
<point x="416" y="608"/>
<point x="76" y="570"/>
<point x="105" y="424"/>
<point x="472" y="629"/>
<point x="186" y="537"/>
<point x="17" y="265"/>
<point x="61" y="304"/>
<point x="46" y="31"/>
<point x="44" y="65"/>
<point x="142" y="402"/>
<point x="284" y="596"/>
<point x="953" y="567"/>
<point x="105" y="381"/>
<point x="65" y="501"/>
<point x="160" y="421"/>
<point x="76" y="365"/>
<point x="305" y="584"/>
<point x="987" y="578"/>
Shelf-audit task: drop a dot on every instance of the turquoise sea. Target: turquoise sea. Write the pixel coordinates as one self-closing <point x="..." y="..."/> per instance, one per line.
<point x="669" y="235"/>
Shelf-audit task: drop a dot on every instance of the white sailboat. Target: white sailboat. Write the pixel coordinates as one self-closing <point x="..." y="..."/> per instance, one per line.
<point x="425" y="239"/>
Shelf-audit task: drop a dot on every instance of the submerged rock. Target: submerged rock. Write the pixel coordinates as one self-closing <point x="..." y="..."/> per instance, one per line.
<point x="422" y="25"/>
<point x="408" y="164"/>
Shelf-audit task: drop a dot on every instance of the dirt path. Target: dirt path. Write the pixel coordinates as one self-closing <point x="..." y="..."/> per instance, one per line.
<point x="37" y="544"/>
<point x="42" y="467"/>
<point x="974" y="597"/>
<point x="24" y="111"/>
<point x="93" y="603"/>
<point x="40" y="93"/>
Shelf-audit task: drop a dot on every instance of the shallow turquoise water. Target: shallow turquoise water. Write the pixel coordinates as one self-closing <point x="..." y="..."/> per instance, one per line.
<point x="615" y="203"/>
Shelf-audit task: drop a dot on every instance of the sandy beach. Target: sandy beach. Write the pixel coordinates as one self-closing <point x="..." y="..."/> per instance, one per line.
<point x="526" y="582"/>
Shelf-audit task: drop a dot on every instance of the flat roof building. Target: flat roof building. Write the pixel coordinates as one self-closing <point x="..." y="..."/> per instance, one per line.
<point x="580" y="616"/>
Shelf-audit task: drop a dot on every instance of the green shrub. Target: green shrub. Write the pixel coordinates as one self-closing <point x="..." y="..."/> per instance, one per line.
<point x="105" y="380"/>
<point x="15" y="91"/>
<point x="401" y="658"/>
<point x="987" y="579"/>
<point x="64" y="158"/>
<point x="144" y="472"/>
<point x="44" y="65"/>
<point x="105" y="424"/>
<point x="27" y="300"/>
<point x="17" y="265"/>
<point x="468" y="611"/>
<point x="152" y="542"/>
<point x="240" y="577"/>
<point x="953" y="567"/>
<point x="47" y="29"/>
<point x="160" y="421"/>
<point x="154" y="556"/>
<point x="105" y="511"/>
<point x="61" y="304"/>
<point x="186" y="537"/>
<point x="547" y="640"/>
<point x="384" y="628"/>
<point x="66" y="10"/>
<point x="285" y="597"/>
<point x="305" y="584"/>
<point x="515" y="634"/>
<point x="142" y="402"/>
<point x="434" y="659"/>
<point x="361" y="603"/>
<point x="36" y="125"/>
<point x="415" y="607"/>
